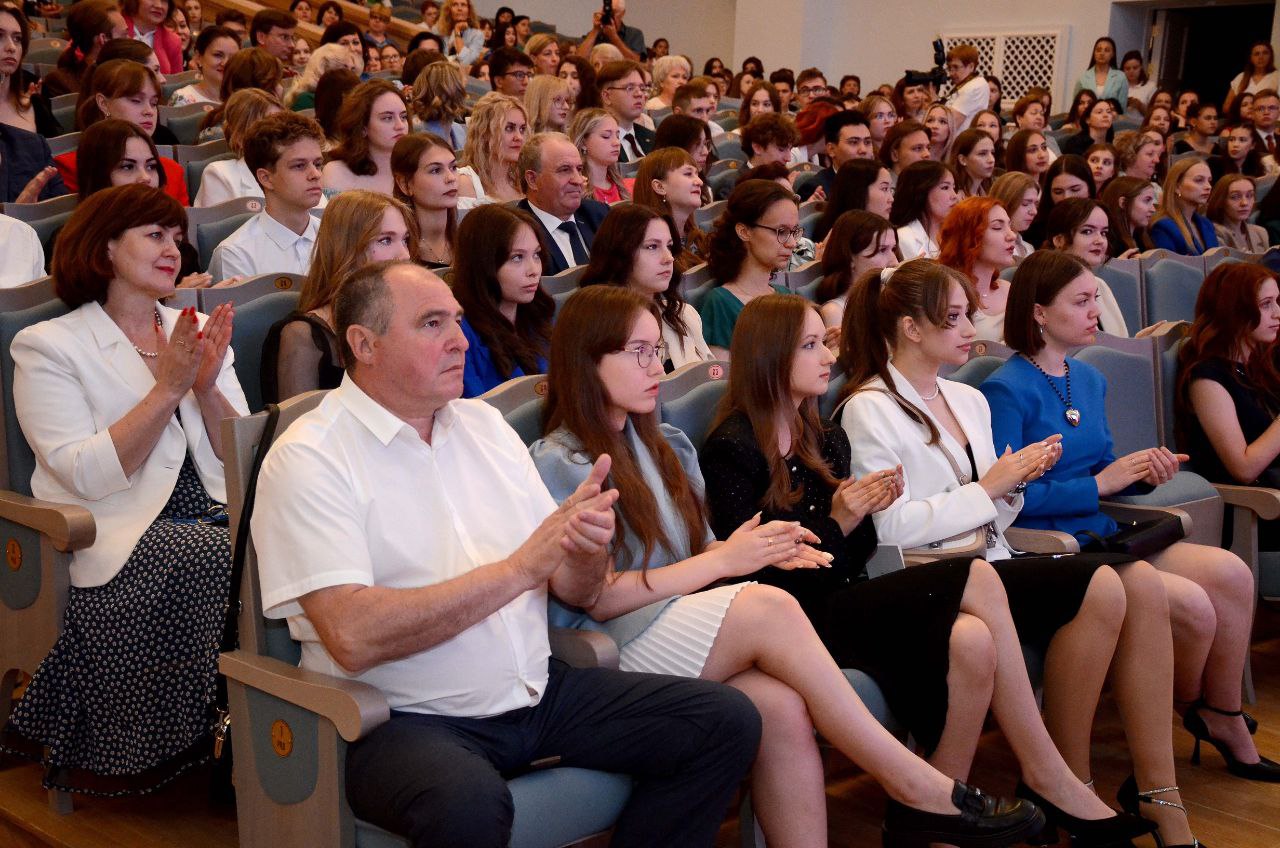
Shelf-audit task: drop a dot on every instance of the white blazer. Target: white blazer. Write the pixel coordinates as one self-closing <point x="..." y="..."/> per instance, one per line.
<point x="691" y="347"/>
<point x="933" y="505"/>
<point x="226" y="179"/>
<point x="914" y="242"/>
<point x="74" y="377"/>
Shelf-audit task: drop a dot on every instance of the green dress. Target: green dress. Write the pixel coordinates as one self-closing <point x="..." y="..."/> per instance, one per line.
<point x="719" y="311"/>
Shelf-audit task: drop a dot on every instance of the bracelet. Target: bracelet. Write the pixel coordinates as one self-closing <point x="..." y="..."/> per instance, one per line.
<point x="1018" y="489"/>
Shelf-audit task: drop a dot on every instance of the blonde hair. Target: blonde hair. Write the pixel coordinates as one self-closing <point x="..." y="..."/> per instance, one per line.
<point x="538" y="42"/>
<point x="1169" y="207"/>
<point x="244" y="108"/>
<point x="487" y="118"/>
<point x="439" y="94"/>
<point x="323" y="59"/>
<point x="444" y="26"/>
<point x="350" y="222"/>
<point x="584" y="124"/>
<point x="663" y="67"/>
<point x="603" y="54"/>
<point x="543" y="89"/>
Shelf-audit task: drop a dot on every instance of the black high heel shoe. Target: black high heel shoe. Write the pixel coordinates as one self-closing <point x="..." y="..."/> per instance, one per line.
<point x="1116" y="830"/>
<point x="983" y="821"/>
<point x="1130" y="800"/>
<point x="1265" y="770"/>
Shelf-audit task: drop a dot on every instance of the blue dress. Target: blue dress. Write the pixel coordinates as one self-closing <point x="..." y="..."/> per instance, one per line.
<point x="480" y="374"/>
<point x="1165" y="233"/>
<point x="1024" y="409"/>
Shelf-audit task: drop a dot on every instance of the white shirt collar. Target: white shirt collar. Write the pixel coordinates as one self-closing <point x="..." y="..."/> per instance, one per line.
<point x="285" y="238"/>
<point x="551" y="222"/>
<point x="384" y="424"/>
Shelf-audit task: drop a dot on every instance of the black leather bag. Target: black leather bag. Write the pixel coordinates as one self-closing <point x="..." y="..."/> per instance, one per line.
<point x="1139" y="539"/>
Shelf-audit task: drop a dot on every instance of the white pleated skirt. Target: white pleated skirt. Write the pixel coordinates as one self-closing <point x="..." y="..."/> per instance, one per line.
<point x="679" y="640"/>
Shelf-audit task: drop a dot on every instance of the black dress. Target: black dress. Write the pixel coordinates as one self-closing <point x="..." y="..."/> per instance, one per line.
<point x="896" y="628"/>
<point x="331" y="371"/>
<point x="1256" y="410"/>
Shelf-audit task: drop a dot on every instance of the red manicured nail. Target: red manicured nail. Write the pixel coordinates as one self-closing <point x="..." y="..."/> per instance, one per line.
<point x="200" y="335"/>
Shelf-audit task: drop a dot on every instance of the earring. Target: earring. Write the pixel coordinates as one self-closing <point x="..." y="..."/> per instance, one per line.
<point x="1040" y="327"/>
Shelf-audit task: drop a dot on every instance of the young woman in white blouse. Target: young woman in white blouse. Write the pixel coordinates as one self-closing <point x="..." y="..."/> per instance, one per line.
<point x="925" y="194"/>
<point x="636" y="247"/>
<point x="496" y="135"/>
<point x="1259" y="73"/>
<point x="214" y="47"/>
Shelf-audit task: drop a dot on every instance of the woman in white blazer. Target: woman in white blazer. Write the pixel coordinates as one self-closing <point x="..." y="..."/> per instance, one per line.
<point x="899" y="329"/>
<point x="925" y="193"/>
<point x="121" y="401"/>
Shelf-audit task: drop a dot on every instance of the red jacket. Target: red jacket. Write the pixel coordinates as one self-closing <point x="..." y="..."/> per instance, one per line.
<point x="168" y="48"/>
<point x="175" y="176"/>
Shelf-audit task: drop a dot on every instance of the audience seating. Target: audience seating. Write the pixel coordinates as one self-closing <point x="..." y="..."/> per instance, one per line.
<point x="207" y="227"/>
<point x="31" y="212"/>
<point x="250" y="290"/>
<point x="195" y="169"/>
<point x="722" y="183"/>
<point x="185" y="154"/>
<point x="706" y="216"/>
<point x="64" y="143"/>
<point x="64" y="109"/>
<point x="253" y="320"/>
<point x="1123" y="276"/>
<point x="729" y="147"/>
<point x="1171" y="283"/>
<point x="293" y="726"/>
<point x="46" y="49"/>
<point x="184" y="121"/>
<point x="521" y="400"/>
<point x="804" y="280"/>
<point x="688" y="398"/>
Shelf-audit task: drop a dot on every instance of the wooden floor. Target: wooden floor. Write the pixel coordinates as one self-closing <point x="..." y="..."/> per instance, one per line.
<point x="1226" y="812"/>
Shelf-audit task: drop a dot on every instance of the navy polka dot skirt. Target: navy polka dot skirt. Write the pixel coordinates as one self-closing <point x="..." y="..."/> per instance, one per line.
<point x="124" y="701"/>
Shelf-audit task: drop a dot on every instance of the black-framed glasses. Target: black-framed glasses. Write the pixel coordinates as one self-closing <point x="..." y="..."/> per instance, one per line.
<point x="523" y="76"/>
<point x="645" y="352"/>
<point x="783" y="233"/>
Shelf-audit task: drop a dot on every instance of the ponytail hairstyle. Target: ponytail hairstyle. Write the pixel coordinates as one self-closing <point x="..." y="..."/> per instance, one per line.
<point x="920" y="290"/>
<point x="596" y="321"/>
<point x="854" y="232"/>
<point x="763" y="350"/>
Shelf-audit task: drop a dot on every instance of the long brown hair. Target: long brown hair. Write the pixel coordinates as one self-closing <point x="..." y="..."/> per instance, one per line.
<point x="112" y="79"/>
<point x="919" y="289"/>
<point x="595" y="321"/>
<point x="352" y="125"/>
<point x="613" y="256"/>
<point x="1226" y="316"/>
<point x="405" y="157"/>
<point x="854" y="232"/>
<point x="484" y="244"/>
<point x="763" y="349"/>
<point x="656" y="166"/>
<point x="350" y="222"/>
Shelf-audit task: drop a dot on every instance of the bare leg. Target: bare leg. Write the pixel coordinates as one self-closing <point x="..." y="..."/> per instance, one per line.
<point x="787" y="787"/>
<point x="1228" y="583"/>
<point x="970" y="681"/>
<point x="1140" y="682"/>
<point x="1075" y="668"/>
<point x="766" y="629"/>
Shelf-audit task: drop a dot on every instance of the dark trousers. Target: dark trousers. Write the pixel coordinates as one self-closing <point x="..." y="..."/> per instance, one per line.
<point x="686" y="743"/>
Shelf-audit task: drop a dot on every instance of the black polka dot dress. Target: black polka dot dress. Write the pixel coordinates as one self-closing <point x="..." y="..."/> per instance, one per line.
<point x="123" y="702"/>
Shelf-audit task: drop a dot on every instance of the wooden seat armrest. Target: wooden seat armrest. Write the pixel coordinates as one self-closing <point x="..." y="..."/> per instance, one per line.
<point x="1137" y="512"/>
<point x="1041" y="541"/>
<point x="1264" y="502"/>
<point x="583" y="648"/>
<point x="69" y="527"/>
<point x="354" y="708"/>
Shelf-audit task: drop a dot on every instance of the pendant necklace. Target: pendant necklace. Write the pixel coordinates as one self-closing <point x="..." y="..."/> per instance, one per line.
<point x="1071" y="414"/>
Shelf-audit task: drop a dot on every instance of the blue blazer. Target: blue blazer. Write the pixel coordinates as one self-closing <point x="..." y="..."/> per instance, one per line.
<point x="1165" y="233"/>
<point x="479" y="374"/>
<point x="588" y="218"/>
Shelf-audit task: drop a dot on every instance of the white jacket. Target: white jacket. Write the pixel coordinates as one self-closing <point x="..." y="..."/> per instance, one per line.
<point x="226" y="179"/>
<point x="74" y="377"/>
<point x="933" y="505"/>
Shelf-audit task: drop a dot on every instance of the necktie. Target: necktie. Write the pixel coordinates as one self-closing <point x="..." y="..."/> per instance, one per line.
<point x="635" y="151"/>
<point x="1271" y="144"/>
<point x="580" y="256"/>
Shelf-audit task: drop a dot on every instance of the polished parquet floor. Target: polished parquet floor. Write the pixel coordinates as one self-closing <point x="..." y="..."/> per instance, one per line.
<point x="1226" y="812"/>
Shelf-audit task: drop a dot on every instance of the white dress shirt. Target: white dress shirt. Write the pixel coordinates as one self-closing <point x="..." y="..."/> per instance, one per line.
<point x="189" y="94"/>
<point x="263" y="245"/>
<point x="934" y="505"/>
<point x="23" y="254"/>
<point x="914" y="242"/>
<point x="352" y="495"/>
<point x="226" y="179"/>
<point x="74" y="377"/>
<point x="563" y="243"/>
<point x="690" y="347"/>
<point x="969" y="99"/>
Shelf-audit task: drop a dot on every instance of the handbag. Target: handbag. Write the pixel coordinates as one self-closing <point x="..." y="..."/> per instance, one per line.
<point x="221" y="788"/>
<point x="1140" y="539"/>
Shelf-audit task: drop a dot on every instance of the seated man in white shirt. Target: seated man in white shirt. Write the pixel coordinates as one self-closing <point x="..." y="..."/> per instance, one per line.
<point x="411" y="544"/>
<point x="696" y="102"/>
<point x="283" y="151"/>
<point x="970" y="94"/>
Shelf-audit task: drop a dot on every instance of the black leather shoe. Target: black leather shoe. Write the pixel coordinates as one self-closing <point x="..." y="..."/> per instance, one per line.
<point x="983" y="821"/>
<point x="1110" y="832"/>
<point x="1264" y="770"/>
<point x="1132" y="800"/>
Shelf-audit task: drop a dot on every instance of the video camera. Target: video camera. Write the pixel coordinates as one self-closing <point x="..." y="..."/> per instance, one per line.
<point x="937" y="75"/>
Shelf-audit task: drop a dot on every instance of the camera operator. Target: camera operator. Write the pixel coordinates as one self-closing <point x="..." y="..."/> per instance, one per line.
<point x="607" y="26"/>
<point x="969" y="94"/>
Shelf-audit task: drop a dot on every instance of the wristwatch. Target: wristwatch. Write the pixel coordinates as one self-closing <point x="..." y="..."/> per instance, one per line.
<point x="1018" y="489"/>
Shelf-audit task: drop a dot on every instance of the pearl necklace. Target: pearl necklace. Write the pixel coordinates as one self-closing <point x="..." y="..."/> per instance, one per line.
<point x="150" y="354"/>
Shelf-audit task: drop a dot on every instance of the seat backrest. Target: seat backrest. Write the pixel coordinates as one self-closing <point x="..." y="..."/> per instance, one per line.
<point x="43" y="209"/>
<point x="1171" y="289"/>
<point x="706" y="217"/>
<point x="253" y="320"/>
<point x="804" y="280"/>
<point x="695" y="277"/>
<point x="688" y="397"/>
<point x="184" y="121"/>
<point x="721" y="166"/>
<point x="47" y="230"/>
<point x="27" y="295"/>
<point x="730" y="147"/>
<point x="694" y="297"/>
<point x="241" y="437"/>
<point x="1127" y="288"/>
<point x="521" y="401"/>
<point x="19" y="463"/>
<point x="565" y="281"/>
<point x="1131" y="395"/>
<point x="195" y="170"/>
<point x="976" y="370"/>
<point x="722" y="184"/>
<point x="250" y="289"/>
<point x="186" y="153"/>
<point x="64" y="143"/>
<point x="1169" y="347"/>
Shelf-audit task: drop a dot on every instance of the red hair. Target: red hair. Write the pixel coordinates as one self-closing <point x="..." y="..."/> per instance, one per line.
<point x="962" y="233"/>
<point x="1226" y="316"/>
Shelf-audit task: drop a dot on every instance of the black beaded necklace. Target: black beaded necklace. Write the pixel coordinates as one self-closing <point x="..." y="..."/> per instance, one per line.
<point x="1071" y="414"/>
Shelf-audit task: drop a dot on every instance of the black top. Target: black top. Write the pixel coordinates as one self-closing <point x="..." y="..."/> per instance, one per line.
<point x="1256" y="411"/>
<point x="737" y="477"/>
<point x="322" y="337"/>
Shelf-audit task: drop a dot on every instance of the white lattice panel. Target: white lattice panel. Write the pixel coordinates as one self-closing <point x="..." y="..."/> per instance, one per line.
<point x="1020" y="59"/>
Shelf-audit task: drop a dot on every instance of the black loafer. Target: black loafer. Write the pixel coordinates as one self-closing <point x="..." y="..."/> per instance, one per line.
<point x="983" y="821"/>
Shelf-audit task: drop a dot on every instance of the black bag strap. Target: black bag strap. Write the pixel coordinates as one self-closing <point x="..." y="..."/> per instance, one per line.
<point x="231" y="627"/>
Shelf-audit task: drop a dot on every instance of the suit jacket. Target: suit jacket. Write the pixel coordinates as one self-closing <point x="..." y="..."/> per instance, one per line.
<point x="588" y="218"/>
<point x="1165" y="234"/>
<point x="934" y="505"/>
<point x="644" y="137"/>
<point x="75" y="376"/>
<point x="167" y="46"/>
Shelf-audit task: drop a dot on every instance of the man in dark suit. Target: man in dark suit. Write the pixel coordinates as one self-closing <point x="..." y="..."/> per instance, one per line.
<point x="848" y="137"/>
<point x="554" y="188"/>
<point x="623" y="94"/>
